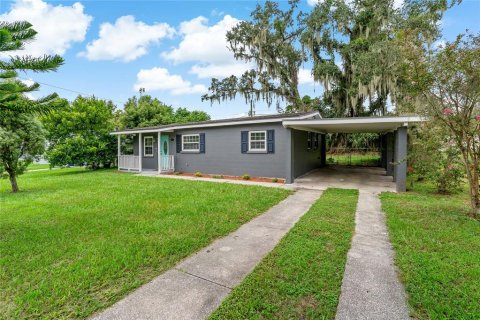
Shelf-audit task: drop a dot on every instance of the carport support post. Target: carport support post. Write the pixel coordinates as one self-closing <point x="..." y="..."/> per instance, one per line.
<point x="401" y="159"/>
<point x="289" y="157"/>
<point x="140" y="152"/>
<point x="389" y="154"/>
<point x="323" y="150"/>
<point x="383" y="151"/>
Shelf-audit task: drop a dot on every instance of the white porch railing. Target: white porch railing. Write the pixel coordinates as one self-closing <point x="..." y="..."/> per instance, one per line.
<point x="167" y="163"/>
<point x="128" y="162"/>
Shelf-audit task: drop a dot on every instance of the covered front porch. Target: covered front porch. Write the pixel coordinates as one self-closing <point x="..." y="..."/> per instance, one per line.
<point x="145" y="152"/>
<point x="392" y="171"/>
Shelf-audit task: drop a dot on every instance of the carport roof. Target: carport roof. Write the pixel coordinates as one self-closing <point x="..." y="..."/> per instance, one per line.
<point x="352" y="125"/>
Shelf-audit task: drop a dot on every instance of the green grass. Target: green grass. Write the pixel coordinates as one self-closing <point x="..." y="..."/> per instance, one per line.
<point x="75" y="241"/>
<point x="437" y="251"/>
<point x="368" y="159"/>
<point x="36" y="166"/>
<point x="301" y="278"/>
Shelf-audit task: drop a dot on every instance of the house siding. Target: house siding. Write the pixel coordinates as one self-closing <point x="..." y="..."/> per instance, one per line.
<point x="223" y="153"/>
<point x="304" y="160"/>
<point x="148" y="163"/>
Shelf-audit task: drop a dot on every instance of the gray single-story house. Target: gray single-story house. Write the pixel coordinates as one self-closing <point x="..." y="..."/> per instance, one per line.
<point x="278" y="146"/>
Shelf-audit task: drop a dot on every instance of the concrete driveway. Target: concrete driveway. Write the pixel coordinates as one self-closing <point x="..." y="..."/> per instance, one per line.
<point x="364" y="178"/>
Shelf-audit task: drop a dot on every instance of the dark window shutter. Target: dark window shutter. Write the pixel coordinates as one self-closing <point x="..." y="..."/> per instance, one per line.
<point x="178" y="140"/>
<point x="202" y="142"/>
<point x="271" y="141"/>
<point x="244" y="146"/>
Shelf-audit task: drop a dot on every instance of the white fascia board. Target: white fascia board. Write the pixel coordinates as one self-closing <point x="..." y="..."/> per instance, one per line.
<point x="405" y="119"/>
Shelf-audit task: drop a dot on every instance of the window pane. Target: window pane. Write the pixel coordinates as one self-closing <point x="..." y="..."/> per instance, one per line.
<point x="148" y="142"/>
<point x="255" y="136"/>
<point x="257" y="145"/>
<point x="191" y="146"/>
<point x="187" y="139"/>
<point x="258" y="140"/>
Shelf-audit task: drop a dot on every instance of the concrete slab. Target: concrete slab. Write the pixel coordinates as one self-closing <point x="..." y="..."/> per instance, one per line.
<point x="169" y="296"/>
<point x="197" y="285"/>
<point x="371" y="288"/>
<point x="366" y="178"/>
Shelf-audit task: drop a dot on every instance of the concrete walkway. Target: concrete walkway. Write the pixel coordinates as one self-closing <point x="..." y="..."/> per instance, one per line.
<point x="371" y="288"/>
<point x="196" y="286"/>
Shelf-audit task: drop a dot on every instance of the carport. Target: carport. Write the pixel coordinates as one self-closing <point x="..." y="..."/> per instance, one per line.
<point x="393" y="139"/>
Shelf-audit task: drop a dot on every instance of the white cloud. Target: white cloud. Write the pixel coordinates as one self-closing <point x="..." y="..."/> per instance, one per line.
<point x="305" y="76"/>
<point x="160" y="79"/>
<point x="28" y="82"/>
<point x="439" y="44"/>
<point x="213" y="70"/>
<point x="126" y="40"/>
<point x="58" y="26"/>
<point x="206" y="46"/>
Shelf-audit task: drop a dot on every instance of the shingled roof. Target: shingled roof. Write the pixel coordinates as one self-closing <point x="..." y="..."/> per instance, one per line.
<point x="219" y="122"/>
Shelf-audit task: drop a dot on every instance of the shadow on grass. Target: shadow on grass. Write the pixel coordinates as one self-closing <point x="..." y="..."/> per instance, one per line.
<point x="25" y="189"/>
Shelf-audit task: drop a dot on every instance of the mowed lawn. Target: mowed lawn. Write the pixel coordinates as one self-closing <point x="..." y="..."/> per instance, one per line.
<point x="73" y="241"/>
<point x="302" y="277"/>
<point x="37" y="166"/>
<point x="437" y="251"/>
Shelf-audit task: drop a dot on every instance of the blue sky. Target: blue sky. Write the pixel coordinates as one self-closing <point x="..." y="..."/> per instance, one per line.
<point x="171" y="48"/>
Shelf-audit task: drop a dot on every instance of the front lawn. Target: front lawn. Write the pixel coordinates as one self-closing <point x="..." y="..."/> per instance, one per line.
<point x="437" y="251"/>
<point x="73" y="241"/>
<point x="301" y="278"/>
<point x="37" y="166"/>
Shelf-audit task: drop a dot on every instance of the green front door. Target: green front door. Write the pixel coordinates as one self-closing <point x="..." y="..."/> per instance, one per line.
<point x="164" y="148"/>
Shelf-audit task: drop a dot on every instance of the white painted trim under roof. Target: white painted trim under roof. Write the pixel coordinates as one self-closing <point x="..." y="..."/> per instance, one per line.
<point x="217" y="124"/>
<point x="347" y="125"/>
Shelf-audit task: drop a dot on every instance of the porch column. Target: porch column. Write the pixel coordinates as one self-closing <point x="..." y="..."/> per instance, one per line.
<point x="323" y="150"/>
<point x="119" y="151"/>
<point x="140" y="153"/>
<point x="400" y="169"/>
<point x="389" y="153"/>
<point x="159" y="154"/>
<point x="383" y="151"/>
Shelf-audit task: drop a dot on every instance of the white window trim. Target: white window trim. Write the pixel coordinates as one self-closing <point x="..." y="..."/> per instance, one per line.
<point x="145" y="154"/>
<point x="250" y="140"/>
<point x="183" y="142"/>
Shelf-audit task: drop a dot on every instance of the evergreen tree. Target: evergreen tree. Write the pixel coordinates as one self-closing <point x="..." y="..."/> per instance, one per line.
<point x="21" y="136"/>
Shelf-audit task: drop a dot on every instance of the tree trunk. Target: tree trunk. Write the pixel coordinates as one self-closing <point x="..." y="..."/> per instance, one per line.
<point x="13" y="181"/>
<point x="472" y="176"/>
<point x="474" y="196"/>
